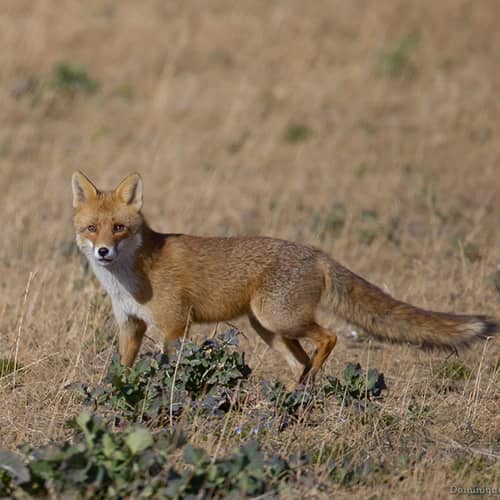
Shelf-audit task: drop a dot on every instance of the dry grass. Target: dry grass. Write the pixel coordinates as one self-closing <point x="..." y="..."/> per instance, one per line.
<point x="368" y="130"/>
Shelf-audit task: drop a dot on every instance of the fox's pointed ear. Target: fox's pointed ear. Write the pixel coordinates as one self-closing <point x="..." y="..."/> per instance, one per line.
<point x="83" y="189"/>
<point x="130" y="191"/>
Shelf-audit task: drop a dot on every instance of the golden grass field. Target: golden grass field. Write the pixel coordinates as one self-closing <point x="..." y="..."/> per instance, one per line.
<point x="367" y="129"/>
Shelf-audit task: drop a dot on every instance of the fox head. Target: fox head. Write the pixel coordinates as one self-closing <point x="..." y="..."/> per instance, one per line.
<point x="108" y="223"/>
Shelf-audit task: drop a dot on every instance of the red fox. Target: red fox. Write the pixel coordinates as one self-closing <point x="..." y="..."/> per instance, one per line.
<point x="166" y="280"/>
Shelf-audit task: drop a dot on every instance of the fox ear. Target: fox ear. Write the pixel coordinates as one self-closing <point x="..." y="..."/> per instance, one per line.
<point x="130" y="191"/>
<point x="83" y="189"/>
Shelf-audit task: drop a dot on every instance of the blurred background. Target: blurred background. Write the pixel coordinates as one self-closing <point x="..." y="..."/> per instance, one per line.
<point x="369" y="129"/>
<point x="252" y="117"/>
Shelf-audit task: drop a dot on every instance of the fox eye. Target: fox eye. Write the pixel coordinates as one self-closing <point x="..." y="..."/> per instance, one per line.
<point x="118" y="228"/>
<point x="91" y="228"/>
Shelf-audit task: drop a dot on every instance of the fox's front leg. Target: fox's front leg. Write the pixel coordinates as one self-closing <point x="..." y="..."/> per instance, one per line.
<point x="175" y="326"/>
<point x="131" y="333"/>
<point x="171" y="336"/>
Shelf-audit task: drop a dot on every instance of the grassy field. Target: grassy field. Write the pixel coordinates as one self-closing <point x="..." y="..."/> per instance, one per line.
<point x="367" y="129"/>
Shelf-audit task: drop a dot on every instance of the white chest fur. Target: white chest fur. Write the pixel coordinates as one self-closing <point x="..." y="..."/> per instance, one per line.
<point x="121" y="283"/>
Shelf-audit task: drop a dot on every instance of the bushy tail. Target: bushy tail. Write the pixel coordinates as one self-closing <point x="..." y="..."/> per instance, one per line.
<point x="386" y="318"/>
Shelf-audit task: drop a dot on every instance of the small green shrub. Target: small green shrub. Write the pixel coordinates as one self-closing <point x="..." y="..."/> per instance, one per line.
<point x="7" y="366"/>
<point x="452" y="370"/>
<point x="98" y="464"/>
<point x="210" y="366"/>
<point x="472" y="252"/>
<point x="202" y="375"/>
<point x="331" y="222"/>
<point x="65" y="79"/>
<point x="371" y="227"/>
<point x="297" y="132"/>
<point x="397" y="60"/>
<point x="356" y="385"/>
<point x="361" y="169"/>
<point x="71" y="78"/>
<point x="135" y="463"/>
<point x="291" y="402"/>
<point x="245" y="473"/>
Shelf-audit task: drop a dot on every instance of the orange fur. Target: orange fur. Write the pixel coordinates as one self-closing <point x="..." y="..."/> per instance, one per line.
<point x="159" y="280"/>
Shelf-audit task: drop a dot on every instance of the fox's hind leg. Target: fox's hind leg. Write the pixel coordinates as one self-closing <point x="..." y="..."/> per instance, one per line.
<point x="290" y="349"/>
<point x="292" y="318"/>
<point x="325" y="341"/>
<point x="130" y="338"/>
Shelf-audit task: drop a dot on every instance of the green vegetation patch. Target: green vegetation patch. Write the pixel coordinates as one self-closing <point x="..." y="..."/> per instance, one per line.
<point x="330" y="222"/>
<point x="452" y="370"/>
<point x="8" y="366"/>
<point x="202" y="375"/>
<point x="115" y="456"/>
<point x="356" y="384"/>
<point x="134" y="463"/>
<point x="296" y="133"/>
<point x="397" y="60"/>
<point x="65" y="79"/>
<point x="71" y="77"/>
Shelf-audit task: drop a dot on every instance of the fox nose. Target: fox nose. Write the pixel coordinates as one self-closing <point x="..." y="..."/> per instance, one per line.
<point x="103" y="251"/>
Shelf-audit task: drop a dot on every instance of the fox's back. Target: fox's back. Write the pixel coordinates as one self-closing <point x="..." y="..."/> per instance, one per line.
<point x="220" y="275"/>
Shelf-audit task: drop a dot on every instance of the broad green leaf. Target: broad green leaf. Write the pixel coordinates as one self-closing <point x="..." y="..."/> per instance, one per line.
<point x="14" y="465"/>
<point x="138" y="440"/>
<point x="193" y="455"/>
<point x="108" y="447"/>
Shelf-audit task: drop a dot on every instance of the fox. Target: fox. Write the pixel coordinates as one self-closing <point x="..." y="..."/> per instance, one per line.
<point x="166" y="281"/>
